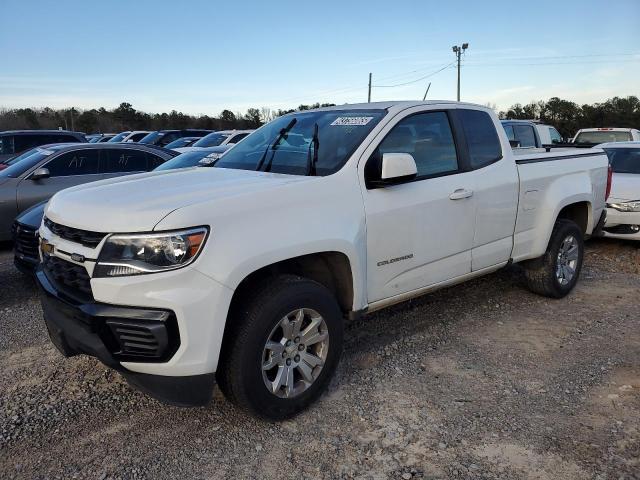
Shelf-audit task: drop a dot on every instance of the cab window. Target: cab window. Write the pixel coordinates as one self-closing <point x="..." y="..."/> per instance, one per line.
<point x="482" y="137"/>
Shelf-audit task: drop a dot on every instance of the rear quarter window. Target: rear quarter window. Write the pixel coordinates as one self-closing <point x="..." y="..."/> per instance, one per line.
<point x="482" y="139"/>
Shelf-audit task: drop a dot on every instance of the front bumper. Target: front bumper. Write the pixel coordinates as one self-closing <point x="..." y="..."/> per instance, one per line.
<point x="622" y="224"/>
<point x="91" y="328"/>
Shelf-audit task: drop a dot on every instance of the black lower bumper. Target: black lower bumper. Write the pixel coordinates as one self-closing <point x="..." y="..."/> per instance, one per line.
<point x="26" y="265"/>
<point x="91" y="328"/>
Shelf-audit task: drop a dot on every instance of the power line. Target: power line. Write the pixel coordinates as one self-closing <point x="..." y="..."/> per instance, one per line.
<point x="480" y="64"/>
<point x="416" y="80"/>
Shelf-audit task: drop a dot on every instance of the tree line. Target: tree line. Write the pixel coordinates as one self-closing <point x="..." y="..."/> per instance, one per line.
<point x="566" y="116"/>
<point x="569" y="117"/>
<point x="125" y="117"/>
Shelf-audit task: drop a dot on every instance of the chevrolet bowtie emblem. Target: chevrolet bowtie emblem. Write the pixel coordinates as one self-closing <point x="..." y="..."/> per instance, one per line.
<point x="76" y="257"/>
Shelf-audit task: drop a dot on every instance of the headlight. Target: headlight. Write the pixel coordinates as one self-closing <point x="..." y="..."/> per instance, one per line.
<point x="633" y="206"/>
<point x="136" y="254"/>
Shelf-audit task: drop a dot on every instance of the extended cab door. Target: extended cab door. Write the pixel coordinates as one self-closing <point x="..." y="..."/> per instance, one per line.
<point x="418" y="233"/>
<point x="66" y="170"/>
<point x="496" y="186"/>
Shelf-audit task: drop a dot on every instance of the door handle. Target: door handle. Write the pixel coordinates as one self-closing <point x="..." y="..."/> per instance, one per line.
<point x="461" y="193"/>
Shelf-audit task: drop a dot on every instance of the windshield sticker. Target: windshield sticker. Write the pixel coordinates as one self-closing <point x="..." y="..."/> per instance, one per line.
<point x="350" y="121"/>
<point x="212" y="157"/>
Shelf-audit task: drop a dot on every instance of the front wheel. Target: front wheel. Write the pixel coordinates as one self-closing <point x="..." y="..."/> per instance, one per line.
<point x="557" y="271"/>
<point x="282" y="349"/>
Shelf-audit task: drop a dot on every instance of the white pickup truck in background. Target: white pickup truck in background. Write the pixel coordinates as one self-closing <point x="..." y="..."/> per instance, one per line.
<point x="245" y="272"/>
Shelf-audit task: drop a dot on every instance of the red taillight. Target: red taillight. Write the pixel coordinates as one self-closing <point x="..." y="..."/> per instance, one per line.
<point x="609" y="178"/>
<point x="3" y="166"/>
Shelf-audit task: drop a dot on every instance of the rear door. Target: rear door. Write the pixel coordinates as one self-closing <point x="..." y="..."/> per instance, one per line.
<point x="123" y="161"/>
<point x="66" y="170"/>
<point x="419" y="233"/>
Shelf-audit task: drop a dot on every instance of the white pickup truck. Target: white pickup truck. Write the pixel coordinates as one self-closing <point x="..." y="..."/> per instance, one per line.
<point x="244" y="273"/>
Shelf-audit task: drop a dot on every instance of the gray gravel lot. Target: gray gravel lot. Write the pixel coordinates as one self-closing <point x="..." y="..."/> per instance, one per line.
<point x="483" y="380"/>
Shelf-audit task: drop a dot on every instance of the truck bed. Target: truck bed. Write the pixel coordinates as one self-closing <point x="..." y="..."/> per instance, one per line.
<point x="545" y="177"/>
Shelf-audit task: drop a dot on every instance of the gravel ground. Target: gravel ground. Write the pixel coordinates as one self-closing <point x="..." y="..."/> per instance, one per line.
<point x="483" y="380"/>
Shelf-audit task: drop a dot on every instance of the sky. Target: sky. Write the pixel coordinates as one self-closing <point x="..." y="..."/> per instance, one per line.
<point x="201" y="57"/>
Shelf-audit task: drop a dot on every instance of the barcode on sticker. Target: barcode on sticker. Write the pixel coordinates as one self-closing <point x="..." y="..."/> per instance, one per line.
<point x="351" y="120"/>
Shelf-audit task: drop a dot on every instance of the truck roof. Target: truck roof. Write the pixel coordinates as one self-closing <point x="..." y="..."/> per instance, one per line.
<point x="391" y="104"/>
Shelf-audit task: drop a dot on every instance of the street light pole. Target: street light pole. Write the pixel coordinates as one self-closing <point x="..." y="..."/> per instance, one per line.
<point x="458" y="51"/>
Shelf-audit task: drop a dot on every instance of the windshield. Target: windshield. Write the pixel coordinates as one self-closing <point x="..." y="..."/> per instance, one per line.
<point x="603" y="136"/>
<point x="212" y="140"/>
<point x="276" y="149"/>
<point x="119" y="137"/>
<point x="22" y="163"/>
<point x="187" y="159"/>
<point x="95" y="139"/>
<point x="152" y="138"/>
<point x="624" y="160"/>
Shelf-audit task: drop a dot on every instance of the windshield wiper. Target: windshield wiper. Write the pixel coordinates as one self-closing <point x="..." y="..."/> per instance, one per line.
<point x="311" y="161"/>
<point x="273" y="146"/>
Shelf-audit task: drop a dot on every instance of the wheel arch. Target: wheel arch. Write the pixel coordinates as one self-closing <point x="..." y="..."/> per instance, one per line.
<point x="331" y="269"/>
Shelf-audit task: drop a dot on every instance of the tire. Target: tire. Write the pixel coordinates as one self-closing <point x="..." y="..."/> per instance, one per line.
<point x="260" y="319"/>
<point x="544" y="275"/>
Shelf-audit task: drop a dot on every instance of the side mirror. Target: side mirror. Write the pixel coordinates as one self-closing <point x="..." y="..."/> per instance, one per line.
<point x="40" y="174"/>
<point x="514" y="143"/>
<point x="395" y="168"/>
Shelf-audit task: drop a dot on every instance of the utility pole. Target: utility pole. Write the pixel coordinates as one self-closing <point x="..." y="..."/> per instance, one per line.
<point x="458" y="51"/>
<point x="369" y="95"/>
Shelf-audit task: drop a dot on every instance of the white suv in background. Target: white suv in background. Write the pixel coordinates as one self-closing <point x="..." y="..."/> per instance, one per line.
<point x="602" y="135"/>
<point x="623" y="205"/>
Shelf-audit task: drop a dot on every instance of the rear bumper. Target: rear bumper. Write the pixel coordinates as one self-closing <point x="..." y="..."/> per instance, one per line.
<point x="88" y="328"/>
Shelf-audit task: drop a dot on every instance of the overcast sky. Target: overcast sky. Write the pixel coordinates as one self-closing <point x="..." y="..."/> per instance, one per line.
<point x="204" y="56"/>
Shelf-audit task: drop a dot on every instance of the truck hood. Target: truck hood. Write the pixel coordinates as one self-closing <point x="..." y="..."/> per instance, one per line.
<point x="625" y="187"/>
<point x="137" y="203"/>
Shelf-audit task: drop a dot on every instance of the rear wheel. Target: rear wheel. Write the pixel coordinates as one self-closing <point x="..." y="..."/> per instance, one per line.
<point x="557" y="271"/>
<point x="282" y="349"/>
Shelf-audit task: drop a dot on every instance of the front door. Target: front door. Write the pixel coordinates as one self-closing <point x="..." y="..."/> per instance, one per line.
<point x="420" y="233"/>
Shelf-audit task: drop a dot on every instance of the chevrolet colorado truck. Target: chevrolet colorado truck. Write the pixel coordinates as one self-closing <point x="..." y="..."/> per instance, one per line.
<point x="244" y="273"/>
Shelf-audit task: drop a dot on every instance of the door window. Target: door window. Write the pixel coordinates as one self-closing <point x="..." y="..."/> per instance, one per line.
<point x="482" y="138"/>
<point x="237" y="138"/>
<point x="77" y="162"/>
<point x="6" y="145"/>
<point x="120" y="160"/>
<point x="168" y="138"/>
<point x="525" y="135"/>
<point x="555" y="135"/>
<point x="154" y="161"/>
<point x="428" y="138"/>
<point x="509" y="131"/>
